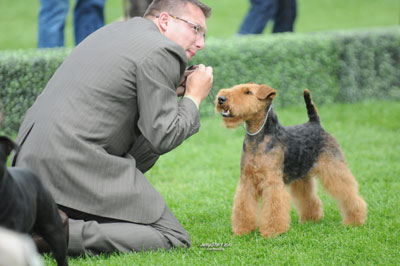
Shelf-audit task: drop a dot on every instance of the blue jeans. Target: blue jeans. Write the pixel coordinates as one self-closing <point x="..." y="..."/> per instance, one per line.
<point x="88" y="17"/>
<point x="283" y="12"/>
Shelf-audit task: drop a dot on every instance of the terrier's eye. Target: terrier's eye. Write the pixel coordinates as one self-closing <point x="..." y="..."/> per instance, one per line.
<point x="248" y="93"/>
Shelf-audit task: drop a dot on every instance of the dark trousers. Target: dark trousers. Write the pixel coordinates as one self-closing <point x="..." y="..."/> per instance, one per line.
<point x="283" y="12"/>
<point x="88" y="17"/>
<point x="138" y="7"/>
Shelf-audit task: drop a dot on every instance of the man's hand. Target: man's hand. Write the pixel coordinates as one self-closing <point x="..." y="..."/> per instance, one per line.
<point x="199" y="83"/>
<point x="180" y="91"/>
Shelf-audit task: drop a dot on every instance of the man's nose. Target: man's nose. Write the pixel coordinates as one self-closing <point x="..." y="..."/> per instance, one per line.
<point x="200" y="42"/>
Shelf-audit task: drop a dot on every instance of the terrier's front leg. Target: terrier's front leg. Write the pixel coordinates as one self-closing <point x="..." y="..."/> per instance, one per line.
<point x="245" y="209"/>
<point x="275" y="213"/>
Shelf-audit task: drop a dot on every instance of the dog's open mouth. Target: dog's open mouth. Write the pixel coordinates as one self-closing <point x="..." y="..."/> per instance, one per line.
<point x="226" y="113"/>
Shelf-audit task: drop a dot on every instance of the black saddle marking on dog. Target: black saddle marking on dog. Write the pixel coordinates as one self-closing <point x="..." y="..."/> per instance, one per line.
<point x="302" y="145"/>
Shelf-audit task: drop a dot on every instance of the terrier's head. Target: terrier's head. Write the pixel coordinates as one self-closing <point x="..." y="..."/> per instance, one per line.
<point x="243" y="102"/>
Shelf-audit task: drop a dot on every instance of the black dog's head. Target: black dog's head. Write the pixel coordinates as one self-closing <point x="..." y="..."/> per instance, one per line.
<point x="6" y="146"/>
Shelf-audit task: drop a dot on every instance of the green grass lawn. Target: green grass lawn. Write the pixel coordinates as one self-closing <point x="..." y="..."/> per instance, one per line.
<point x="199" y="178"/>
<point x="18" y="18"/>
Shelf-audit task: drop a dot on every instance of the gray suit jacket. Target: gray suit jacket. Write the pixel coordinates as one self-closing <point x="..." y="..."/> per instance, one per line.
<point x="104" y="117"/>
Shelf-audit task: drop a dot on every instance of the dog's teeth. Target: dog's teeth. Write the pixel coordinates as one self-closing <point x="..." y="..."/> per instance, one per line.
<point x="225" y="113"/>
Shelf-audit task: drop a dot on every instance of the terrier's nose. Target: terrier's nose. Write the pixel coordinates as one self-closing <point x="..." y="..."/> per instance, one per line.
<point x="221" y="100"/>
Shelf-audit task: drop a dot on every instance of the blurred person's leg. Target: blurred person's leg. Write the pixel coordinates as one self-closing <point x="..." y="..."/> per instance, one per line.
<point x="88" y="17"/>
<point x="52" y="16"/>
<point x="285" y="16"/>
<point x="138" y="7"/>
<point x="261" y="11"/>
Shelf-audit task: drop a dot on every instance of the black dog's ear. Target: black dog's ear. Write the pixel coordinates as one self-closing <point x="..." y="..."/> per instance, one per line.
<point x="6" y="146"/>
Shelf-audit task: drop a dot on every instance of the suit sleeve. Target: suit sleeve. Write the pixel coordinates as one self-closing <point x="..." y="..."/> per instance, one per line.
<point x="164" y="121"/>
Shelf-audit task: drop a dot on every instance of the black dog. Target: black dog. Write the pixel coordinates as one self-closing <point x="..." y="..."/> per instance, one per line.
<point x="26" y="206"/>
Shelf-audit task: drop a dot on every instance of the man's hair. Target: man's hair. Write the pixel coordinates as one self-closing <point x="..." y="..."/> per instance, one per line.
<point x="174" y="7"/>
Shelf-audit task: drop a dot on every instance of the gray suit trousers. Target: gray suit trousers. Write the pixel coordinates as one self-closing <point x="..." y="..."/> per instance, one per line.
<point x="104" y="235"/>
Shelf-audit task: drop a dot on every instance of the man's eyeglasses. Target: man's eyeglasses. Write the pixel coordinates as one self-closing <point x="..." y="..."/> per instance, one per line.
<point x="196" y="27"/>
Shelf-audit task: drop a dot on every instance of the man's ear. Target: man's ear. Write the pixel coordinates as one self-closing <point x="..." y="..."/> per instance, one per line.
<point x="163" y="20"/>
<point x="265" y="91"/>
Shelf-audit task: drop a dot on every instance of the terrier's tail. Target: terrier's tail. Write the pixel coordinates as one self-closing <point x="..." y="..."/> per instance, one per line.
<point x="311" y="108"/>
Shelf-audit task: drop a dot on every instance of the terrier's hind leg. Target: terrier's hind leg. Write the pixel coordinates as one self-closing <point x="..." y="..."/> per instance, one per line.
<point x="306" y="200"/>
<point x="337" y="180"/>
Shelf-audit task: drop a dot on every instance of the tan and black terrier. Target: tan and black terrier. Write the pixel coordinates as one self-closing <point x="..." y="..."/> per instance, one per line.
<point x="275" y="156"/>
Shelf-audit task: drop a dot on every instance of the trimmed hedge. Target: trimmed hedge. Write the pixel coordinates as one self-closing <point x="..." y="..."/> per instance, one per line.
<point x="346" y="66"/>
<point x="23" y="75"/>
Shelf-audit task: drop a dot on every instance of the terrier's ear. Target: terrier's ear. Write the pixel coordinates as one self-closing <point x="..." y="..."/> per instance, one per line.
<point x="265" y="91"/>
